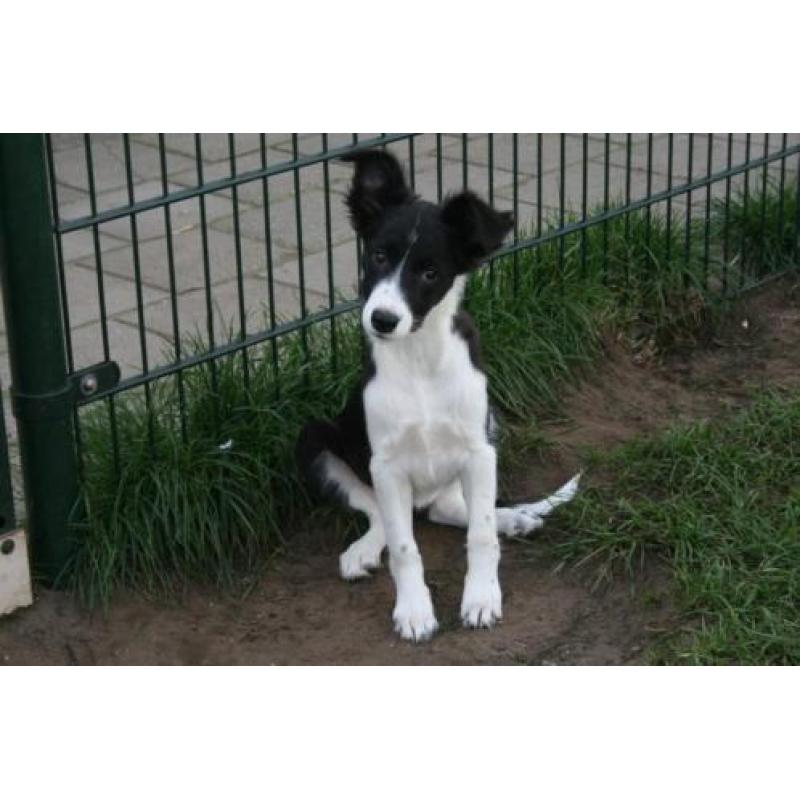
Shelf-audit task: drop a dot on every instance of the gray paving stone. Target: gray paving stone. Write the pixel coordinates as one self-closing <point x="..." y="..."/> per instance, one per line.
<point x="528" y="150"/>
<point x="279" y="186"/>
<point x="528" y="193"/>
<point x="183" y="215"/>
<point x="67" y="197"/>
<point x="699" y="167"/>
<point x="344" y="259"/>
<point x="758" y="140"/>
<point x="213" y="146"/>
<point x="188" y="258"/>
<point x="283" y="222"/>
<point x="310" y="144"/>
<point x="426" y="182"/>
<point x="108" y="162"/>
<point x="124" y="347"/>
<point x="80" y="245"/>
<point x="80" y="205"/>
<point x="192" y="310"/>
<point x="83" y="294"/>
<point x="66" y="141"/>
<point x="70" y="167"/>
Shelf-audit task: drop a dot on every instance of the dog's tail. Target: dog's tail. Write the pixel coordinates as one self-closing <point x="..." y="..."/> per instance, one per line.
<point x="563" y="495"/>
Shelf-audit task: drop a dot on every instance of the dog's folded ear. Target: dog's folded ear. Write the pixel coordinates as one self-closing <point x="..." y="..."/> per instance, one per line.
<point x="476" y="229"/>
<point x="378" y="183"/>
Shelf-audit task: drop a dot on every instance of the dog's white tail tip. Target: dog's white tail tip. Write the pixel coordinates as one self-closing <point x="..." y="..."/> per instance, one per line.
<point x="558" y="498"/>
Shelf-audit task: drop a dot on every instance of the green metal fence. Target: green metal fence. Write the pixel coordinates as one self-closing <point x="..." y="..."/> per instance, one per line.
<point x="118" y="247"/>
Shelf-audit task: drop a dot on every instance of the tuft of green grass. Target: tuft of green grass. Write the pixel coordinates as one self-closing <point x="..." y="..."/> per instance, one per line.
<point x="169" y="501"/>
<point x="758" y="230"/>
<point x="720" y="503"/>
<point x="198" y="482"/>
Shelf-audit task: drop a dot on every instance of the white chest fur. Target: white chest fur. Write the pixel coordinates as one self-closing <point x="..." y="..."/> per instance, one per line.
<point x="426" y="407"/>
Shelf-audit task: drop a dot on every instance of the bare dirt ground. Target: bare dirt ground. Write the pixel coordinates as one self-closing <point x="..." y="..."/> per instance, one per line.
<point x="300" y="612"/>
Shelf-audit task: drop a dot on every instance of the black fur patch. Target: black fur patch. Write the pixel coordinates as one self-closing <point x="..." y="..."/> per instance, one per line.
<point x="465" y="328"/>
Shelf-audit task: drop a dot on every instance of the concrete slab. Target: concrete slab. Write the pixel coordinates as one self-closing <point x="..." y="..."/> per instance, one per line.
<point x="284" y="225"/>
<point x="188" y="259"/>
<point x="225" y="300"/>
<point x="124" y="346"/>
<point x="83" y="294"/>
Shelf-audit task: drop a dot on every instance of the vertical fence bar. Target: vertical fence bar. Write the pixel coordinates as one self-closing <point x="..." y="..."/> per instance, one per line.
<point x="101" y="294"/>
<point x="515" y="167"/>
<point x="137" y="272"/>
<point x="628" y="154"/>
<point x="745" y="212"/>
<point x="465" y="160"/>
<point x="726" y="219"/>
<point x="781" y="190"/>
<point x="490" y="171"/>
<point x="237" y="245"/>
<point x="764" y="184"/>
<point x="649" y="189"/>
<point x="438" y="167"/>
<point x="359" y="244"/>
<point x="584" y="197"/>
<point x="670" y="156"/>
<point x="688" y="241"/>
<point x="412" y="167"/>
<point x="490" y="168"/>
<point x="301" y="269"/>
<point x="34" y="323"/>
<point x="606" y="201"/>
<point x="326" y="185"/>
<point x="562" y="204"/>
<point x="173" y="285"/>
<point x="539" y="160"/>
<point x="707" y="222"/>
<point x="796" y="236"/>
<point x="270" y="275"/>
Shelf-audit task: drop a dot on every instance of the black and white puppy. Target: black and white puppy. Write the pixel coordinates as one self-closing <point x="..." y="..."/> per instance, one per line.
<point x="418" y="431"/>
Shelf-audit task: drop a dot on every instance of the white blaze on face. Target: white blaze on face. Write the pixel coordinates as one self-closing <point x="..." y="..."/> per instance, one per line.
<point x="387" y="295"/>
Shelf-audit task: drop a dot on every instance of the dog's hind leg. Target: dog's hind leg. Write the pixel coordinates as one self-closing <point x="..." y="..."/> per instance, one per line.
<point x="365" y="553"/>
<point x="450" y="508"/>
<point x="333" y="477"/>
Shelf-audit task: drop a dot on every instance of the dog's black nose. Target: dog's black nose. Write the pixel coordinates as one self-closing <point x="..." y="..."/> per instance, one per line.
<point x="384" y="321"/>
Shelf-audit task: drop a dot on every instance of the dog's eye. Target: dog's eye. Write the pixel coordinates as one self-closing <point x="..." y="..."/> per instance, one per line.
<point x="379" y="258"/>
<point x="430" y="274"/>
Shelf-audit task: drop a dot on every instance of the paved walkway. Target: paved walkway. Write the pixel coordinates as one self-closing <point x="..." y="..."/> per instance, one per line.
<point x="231" y="239"/>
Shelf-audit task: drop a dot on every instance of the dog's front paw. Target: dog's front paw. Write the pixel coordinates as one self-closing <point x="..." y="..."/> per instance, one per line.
<point x="482" y="604"/>
<point x="413" y="616"/>
<point x="361" y="557"/>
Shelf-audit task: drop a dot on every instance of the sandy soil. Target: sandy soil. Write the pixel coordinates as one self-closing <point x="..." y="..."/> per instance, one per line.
<point x="300" y="612"/>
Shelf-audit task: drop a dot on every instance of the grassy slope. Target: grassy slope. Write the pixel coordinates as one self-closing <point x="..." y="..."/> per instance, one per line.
<point x="179" y="506"/>
<point x="721" y="504"/>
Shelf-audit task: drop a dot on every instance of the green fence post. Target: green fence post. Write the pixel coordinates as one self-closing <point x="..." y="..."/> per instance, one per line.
<point x="41" y="390"/>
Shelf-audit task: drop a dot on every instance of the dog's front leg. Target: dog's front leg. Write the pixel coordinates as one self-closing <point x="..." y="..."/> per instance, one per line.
<point x="413" y="612"/>
<point x="482" y="601"/>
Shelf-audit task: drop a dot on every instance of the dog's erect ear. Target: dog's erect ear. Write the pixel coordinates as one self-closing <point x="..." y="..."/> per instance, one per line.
<point x="476" y="229"/>
<point x="378" y="183"/>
